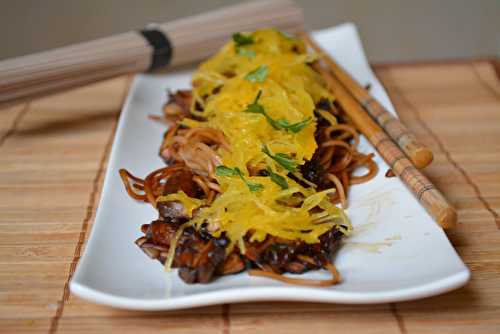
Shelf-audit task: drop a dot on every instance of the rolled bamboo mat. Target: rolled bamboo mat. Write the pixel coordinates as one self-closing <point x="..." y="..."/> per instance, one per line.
<point x="191" y="39"/>
<point x="53" y="154"/>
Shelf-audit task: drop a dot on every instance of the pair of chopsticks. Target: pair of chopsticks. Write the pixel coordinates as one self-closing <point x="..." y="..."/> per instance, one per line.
<point x="399" y="148"/>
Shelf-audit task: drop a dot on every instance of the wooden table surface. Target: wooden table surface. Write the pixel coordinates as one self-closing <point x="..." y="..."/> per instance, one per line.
<point x="53" y="154"/>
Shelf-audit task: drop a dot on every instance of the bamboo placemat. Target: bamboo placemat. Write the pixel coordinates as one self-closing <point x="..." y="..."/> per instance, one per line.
<point x="53" y="154"/>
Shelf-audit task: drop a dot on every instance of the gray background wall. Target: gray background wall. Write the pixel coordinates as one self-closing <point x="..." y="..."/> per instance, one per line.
<point x="392" y="30"/>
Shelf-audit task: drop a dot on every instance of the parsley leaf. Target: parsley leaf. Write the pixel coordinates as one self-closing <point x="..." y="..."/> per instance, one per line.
<point x="239" y="173"/>
<point x="284" y="160"/>
<point x="258" y="75"/>
<point x="226" y="171"/>
<point x="246" y="53"/>
<point x="256" y="108"/>
<point x="295" y="127"/>
<point x="286" y="35"/>
<point x="240" y="39"/>
<point x="278" y="179"/>
<point x="254" y="187"/>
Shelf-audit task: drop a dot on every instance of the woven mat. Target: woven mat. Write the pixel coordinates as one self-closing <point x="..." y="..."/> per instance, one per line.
<point x="53" y="155"/>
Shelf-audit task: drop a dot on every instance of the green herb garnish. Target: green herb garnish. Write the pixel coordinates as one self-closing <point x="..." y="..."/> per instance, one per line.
<point x="283" y="159"/>
<point x="226" y="171"/>
<point x="256" y="108"/>
<point x="295" y="127"/>
<point x="278" y="179"/>
<point x="258" y="75"/>
<point x="245" y="52"/>
<point x="240" y="39"/>
<point x="286" y="35"/>
<point x="254" y="187"/>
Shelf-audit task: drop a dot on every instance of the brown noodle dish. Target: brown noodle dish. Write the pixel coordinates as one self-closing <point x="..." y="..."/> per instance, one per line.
<point x="259" y="161"/>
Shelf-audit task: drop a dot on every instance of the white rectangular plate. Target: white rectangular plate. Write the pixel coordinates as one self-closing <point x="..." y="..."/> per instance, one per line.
<point x="396" y="252"/>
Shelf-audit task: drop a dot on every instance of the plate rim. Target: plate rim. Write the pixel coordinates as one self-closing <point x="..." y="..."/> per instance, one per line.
<point x="274" y="293"/>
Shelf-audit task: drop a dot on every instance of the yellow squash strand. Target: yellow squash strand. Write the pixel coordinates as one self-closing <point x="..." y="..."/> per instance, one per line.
<point x="277" y="66"/>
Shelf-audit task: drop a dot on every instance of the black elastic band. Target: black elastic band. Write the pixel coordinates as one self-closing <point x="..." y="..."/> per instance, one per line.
<point x="162" y="49"/>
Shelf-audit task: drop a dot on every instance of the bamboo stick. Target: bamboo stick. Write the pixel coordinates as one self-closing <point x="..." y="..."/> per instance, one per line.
<point x="425" y="192"/>
<point x="420" y="155"/>
<point x="192" y="39"/>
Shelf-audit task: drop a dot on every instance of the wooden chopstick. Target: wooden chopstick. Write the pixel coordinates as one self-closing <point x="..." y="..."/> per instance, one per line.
<point x="420" y="155"/>
<point x="425" y="192"/>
